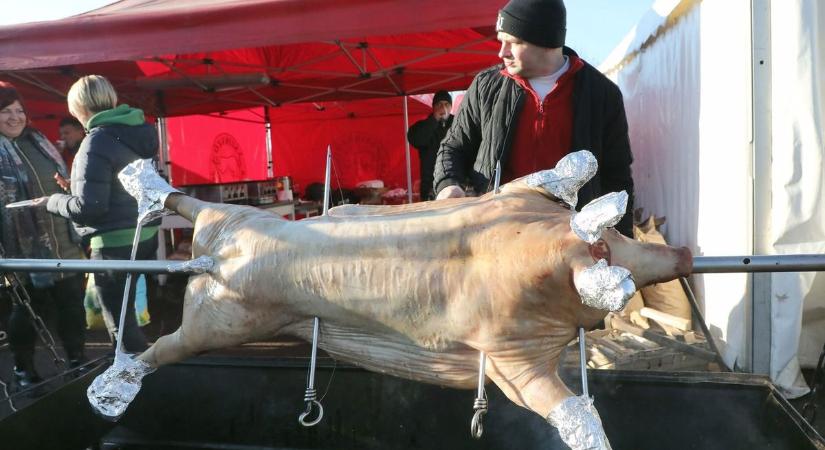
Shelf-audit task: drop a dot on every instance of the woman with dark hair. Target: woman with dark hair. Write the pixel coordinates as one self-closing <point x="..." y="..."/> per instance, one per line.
<point x="102" y="211"/>
<point x="29" y="168"/>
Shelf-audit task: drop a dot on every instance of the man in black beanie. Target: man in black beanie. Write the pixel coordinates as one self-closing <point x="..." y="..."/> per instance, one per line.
<point x="541" y="104"/>
<point x="426" y="136"/>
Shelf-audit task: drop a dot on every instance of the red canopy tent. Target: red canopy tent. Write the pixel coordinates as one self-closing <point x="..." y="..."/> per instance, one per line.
<point x="181" y="57"/>
<point x="366" y="137"/>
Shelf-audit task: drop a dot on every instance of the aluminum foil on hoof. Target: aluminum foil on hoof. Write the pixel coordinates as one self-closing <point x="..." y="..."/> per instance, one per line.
<point x="567" y="178"/>
<point x="140" y="179"/>
<point x="579" y="424"/>
<point x="604" y="287"/>
<point x="113" y="390"/>
<point x="598" y="215"/>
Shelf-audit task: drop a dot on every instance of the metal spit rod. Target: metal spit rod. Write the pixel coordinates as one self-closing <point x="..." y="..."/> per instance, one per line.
<point x="480" y="405"/>
<point x="701" y="264"/>
<point x="583" y="363"/>
<point x="310" y="394"/>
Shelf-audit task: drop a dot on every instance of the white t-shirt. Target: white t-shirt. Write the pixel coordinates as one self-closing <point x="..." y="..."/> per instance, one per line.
<point x="544" y="85"/>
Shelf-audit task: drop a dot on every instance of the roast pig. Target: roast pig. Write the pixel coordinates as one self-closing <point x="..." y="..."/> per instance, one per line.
<point x="415" y="291"/>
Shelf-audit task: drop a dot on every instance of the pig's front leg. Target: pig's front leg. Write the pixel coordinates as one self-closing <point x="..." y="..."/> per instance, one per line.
<point x="536" y="386"/>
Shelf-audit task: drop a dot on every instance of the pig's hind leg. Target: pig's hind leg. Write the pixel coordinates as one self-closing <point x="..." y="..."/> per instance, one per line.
<point x="535" y="385"/>
<point x="213" y="317"/>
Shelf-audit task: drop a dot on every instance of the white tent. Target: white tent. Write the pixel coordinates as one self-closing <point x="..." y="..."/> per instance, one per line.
<point x="725" y="105"/>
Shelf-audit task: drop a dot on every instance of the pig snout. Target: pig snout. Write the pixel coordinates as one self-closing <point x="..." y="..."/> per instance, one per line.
<point x="659" y="263"/>
<point x="684" y="267"/>
<point x="648" y="262"/>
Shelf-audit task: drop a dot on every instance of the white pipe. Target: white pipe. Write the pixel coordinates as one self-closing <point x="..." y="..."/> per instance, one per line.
<point x="761" y="92"/>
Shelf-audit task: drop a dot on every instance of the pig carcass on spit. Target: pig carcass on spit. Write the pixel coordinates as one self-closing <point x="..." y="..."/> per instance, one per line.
<point x="414" y="291"/>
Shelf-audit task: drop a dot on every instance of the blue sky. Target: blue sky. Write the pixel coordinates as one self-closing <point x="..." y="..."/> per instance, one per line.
<point x="594" y="27"/>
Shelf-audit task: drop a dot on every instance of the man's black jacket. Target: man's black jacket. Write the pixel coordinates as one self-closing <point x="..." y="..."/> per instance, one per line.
<point x="482" y="133"/>
<point x="426" y="135"/>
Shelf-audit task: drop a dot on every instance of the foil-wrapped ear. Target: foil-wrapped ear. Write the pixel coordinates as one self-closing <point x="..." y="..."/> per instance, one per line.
<point x="598" y="215"/>
<point x="569" y="175"/>
<point x="140" y="179"/>
<point x="605" y="287"/>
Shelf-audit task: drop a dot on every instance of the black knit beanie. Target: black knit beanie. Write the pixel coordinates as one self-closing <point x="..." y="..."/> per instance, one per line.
<point x="539" y="22"/>
<point x="442" y="95"/>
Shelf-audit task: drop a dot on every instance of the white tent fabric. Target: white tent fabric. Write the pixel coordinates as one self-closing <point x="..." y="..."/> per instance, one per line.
<point x="798" y="219"/>
<point x="685" y="71"/>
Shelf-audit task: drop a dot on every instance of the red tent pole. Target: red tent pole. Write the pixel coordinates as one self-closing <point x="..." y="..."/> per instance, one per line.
<point x="407" y="151"/>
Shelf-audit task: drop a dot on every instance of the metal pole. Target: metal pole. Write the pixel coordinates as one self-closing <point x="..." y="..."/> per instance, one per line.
<point x="583" y="363"/>
<point x="766" y="263"/>
<point x="121" y="349"/>
<point x="89" y="265"/>
<point x="163" y="150"/>
<point x="310" y="394"/>
<point x="270" y="170"/>
<point x="327" y="182"/>
<point x="407" y="151"/>
<point x="761" y="142"/>
<point x="701" y="264"/>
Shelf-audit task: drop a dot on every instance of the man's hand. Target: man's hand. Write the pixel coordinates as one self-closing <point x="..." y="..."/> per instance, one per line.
<point x="62" y="182"/>
<point x="450" y="192"/>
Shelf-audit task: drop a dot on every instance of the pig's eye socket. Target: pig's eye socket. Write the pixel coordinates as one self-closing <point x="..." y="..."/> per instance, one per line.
<point x="600" y="250"/>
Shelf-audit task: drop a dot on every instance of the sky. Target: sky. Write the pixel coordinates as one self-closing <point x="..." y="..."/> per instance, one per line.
<point x="594" y="27"/>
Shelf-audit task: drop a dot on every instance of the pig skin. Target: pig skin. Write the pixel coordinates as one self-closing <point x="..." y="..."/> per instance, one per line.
<point x="414" y="291"/>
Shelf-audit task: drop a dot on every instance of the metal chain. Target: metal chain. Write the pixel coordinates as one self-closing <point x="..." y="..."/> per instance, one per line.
<point x="809" y="408"/>
<point x="21" y="297"/>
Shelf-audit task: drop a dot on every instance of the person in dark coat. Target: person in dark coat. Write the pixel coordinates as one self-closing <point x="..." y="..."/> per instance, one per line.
<point x="426" y="136"/>
<point x="541" y="104"/>
<point x="29" y="167"/>
<point x="71" y="135"/>
<point x="102" y="211"/>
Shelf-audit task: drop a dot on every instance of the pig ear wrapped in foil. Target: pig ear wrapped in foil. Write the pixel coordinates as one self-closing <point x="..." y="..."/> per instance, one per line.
<point x="567" y="178"/>
<point x="598" y="215"/>
<point x="605" y="287"/>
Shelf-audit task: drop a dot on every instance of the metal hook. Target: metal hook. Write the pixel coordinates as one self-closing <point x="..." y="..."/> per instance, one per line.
<point x="480" y="407"/>
<point x="302" y="418"/>
<point x="310" y="395"/>
<point x="480" y="404"/>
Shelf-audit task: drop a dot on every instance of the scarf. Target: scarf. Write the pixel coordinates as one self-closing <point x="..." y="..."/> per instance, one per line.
<point x="22" y="234"/>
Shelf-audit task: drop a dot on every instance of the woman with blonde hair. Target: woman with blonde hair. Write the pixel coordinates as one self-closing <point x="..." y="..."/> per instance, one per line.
<point x="30" y="168"/>
<point x="103" y="212"/>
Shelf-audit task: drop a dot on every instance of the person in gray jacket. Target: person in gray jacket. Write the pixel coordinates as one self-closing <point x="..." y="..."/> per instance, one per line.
<point x="102" y="211"/>
<point x="29" y="169"/>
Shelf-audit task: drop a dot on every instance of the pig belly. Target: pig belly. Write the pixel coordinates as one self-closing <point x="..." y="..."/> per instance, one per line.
<point x="455" y="365"/>
<point x="354" y="272"/>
